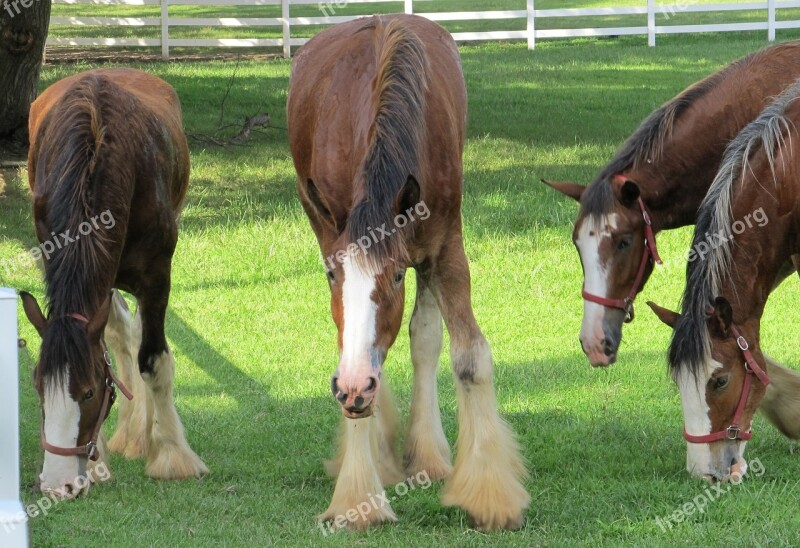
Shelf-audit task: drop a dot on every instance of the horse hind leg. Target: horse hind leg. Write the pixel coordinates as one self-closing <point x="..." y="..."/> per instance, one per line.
<point x="487" y="479"/>
<point x="781" y="403"/>
<point x="426" y="448"/>
<point x="124" y="335"/>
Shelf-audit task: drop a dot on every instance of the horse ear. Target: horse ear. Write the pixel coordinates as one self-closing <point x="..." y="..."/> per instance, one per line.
<point x="721" y="317"/>
<point x="571" y="190"/>
<point x="319" y="204"/>
<point x="408" y="197"/>
<point x="97" y="323"/>
<point x="626" y="190"/>
<point x="33" y="312"/>
<point x="664" y="314"/>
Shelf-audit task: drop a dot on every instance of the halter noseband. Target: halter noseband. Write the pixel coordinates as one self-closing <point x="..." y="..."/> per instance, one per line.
<point x="109" y="395"/>
<point x="733" y="432"/>
<point x="649" y="254"/>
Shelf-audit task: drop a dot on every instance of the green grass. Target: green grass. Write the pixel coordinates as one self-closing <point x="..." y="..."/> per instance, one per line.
<point x="255" y="347"/>
<point x="671" y="13"/>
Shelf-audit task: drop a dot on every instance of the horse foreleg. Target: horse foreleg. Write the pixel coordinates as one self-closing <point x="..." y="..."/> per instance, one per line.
<point x="123" y="335"/>
<point x="169" y="455"/>
<point x="489" y="470"/>
<point x="359" y="498"/>
<point x="426" y="448"/>
<point x="384" y="440"/>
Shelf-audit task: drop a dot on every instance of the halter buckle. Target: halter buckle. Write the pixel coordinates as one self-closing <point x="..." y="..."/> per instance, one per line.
<point x="107" y="357"/>
<point x="733" y="432"/>
<point x="742" y="342"/>
<point x="646" y="217"/>
<point x="91" y="449"/>
<point x="628" y="309"/>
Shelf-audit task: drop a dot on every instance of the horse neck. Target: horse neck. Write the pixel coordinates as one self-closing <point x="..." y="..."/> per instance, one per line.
<point x="758" y="253"/>
<point x="673" y="193"/>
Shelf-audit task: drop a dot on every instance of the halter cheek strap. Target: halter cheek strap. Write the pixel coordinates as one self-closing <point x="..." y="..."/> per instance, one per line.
<point x="649" y="254"/>
<point x="734" y="432"/>
<point x="109" y="395"/>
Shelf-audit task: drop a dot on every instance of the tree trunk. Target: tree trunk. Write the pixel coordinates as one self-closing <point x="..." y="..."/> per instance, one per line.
<point x="23" y="31"/>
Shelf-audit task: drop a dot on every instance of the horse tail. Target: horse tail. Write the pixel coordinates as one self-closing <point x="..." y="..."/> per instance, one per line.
<point x="781" y="403"/>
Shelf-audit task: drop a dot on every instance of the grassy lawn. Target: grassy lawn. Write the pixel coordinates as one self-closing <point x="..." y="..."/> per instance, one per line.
<point x="255" y="346"/>
<point x="669" y="13"/>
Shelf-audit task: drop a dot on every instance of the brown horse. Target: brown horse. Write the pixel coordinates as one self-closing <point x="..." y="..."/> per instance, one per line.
<point x="715" y="355"/>
<point x="377" y="115"/>
<point x="108" y="167"/>
<point x="661" y="173"/>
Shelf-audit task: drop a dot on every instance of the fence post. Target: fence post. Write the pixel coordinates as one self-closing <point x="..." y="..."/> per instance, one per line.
<point x="651" y="23"/>
<point x="165" y="29"/>
<point x="531" y="28"/>
<point x="771" y="20"/>
<point x="287" y="31"/>
<point x="409" y="6"/>
<point x="13" y="520"/>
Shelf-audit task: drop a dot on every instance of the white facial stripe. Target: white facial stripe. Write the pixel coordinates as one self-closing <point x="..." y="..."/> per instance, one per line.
<point x="590" y="236"/>
<point x="360" y="313"/>
<point x="61" y="424"/>
<point x="695" y="415"/>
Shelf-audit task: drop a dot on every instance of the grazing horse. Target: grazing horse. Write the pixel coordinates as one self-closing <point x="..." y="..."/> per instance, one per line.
<point x="749" y="220"/>
<point x="377" y="116"/>
<point x="656" y="181"/>
<point x="108" y="168"/>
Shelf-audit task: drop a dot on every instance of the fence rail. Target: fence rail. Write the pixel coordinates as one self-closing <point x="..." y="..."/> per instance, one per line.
<point x="530" y="16"/>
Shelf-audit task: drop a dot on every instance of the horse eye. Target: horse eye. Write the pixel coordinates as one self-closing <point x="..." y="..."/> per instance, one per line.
<point x="721" y="382"/>
<point x="331" y="276"/>
<point x="88" y="396"/>
<point x="398" y="277"/>
<point x="624" y="243"/>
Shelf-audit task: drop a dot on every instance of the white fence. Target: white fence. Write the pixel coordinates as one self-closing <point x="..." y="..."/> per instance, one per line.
<point x="13" y="520"/>
<point x="530" y="15"/>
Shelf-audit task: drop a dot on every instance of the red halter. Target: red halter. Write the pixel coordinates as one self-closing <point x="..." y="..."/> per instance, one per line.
<point x="649" y="254"/>
<point x="733" y="432"/>
<point x="109" y="395"/>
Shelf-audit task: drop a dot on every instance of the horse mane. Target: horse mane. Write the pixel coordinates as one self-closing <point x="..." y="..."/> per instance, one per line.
<point x="646" y="144"/>
<point x="68" y="168"/>
<point x="65" y="342"/>
<point x="690" y="344"/>
<point x="70" y="142"/>
<point x="395" y="140"/>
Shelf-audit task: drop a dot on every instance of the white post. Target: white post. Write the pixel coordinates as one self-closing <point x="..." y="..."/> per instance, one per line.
<point x="13" y="520"/>
<point x="651" y="23"/>
<point x="771" y="20"/>
<point x="165" y="29"/>
<point x="287" y="30"/>
<point x="409" y="6"/>
<point x="531" y="27"/>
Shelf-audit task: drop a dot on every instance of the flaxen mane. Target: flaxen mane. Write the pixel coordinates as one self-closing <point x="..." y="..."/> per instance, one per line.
<point x="768" y="133"/>
<point x="396" y="139"/>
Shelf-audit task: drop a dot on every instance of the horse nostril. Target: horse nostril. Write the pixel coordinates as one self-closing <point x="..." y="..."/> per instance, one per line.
<point x="372" y="385"/>
<point x="68" y="489"/>
<point x="338" y="394"/>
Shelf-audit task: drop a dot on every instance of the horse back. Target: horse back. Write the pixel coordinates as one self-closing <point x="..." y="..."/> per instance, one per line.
<point x="332" y="107"/>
